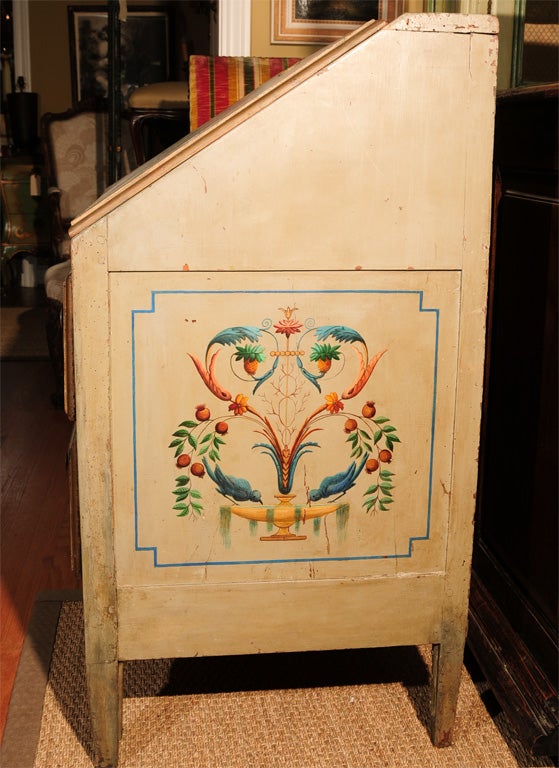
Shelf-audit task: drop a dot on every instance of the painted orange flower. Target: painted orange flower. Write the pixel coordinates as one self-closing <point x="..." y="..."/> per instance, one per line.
<point x="239" y="405"/>
<point x="333" y="403"/>
<point x="288" y="326"/>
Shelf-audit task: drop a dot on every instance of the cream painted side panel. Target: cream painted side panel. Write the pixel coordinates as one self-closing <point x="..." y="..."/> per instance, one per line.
<point x="280" y="616"/>
<point x="162" y="325"/>
<point x="360" y="166"/>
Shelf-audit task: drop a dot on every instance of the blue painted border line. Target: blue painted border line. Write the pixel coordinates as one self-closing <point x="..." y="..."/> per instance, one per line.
<point x="412" y="539"/>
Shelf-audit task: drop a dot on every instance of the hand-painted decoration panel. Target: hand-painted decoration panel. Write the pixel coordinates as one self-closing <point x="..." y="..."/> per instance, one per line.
<point x="295" y="425"/>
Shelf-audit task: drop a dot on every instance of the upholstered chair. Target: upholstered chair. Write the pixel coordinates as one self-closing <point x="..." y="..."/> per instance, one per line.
<point x="159" y="116"/>
<point x="76" y="160"/>
<point x="162" y="113"/>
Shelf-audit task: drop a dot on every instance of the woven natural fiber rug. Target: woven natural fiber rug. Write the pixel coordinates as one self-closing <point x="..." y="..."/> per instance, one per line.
<point x="23" y="333"/>
<point x="351" y="709"/>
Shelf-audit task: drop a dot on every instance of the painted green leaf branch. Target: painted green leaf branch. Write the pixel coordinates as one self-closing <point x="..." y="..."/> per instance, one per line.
<point x="372" y="493"/>
<point x="387" y="431"/>
<point x="187" y="498"/>
<point x="360" y="442"/>
<point x="379" y="495"/>
<point x="184" y="435"/>
<point x="211" y="444"/>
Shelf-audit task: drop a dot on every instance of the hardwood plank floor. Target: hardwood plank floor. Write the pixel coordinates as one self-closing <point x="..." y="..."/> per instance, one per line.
<point x="34" y="522"/>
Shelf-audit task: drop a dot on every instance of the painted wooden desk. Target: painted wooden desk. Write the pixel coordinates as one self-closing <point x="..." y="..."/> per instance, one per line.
<point x="279" y="340"/>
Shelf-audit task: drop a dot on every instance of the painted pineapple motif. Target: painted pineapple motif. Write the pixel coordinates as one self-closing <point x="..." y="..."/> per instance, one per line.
<point x="251" y="355"/>
<point x="371" y="439"/>
<point x="323" y="354"/>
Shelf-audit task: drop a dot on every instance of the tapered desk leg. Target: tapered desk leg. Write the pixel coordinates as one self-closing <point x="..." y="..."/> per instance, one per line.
<point x="447" y="671"/>
<point x="105" y="702"/>
<point x="92" y="368"/>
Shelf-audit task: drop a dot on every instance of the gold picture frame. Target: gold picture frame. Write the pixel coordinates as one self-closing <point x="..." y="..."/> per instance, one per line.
<point x="317" y="22"/>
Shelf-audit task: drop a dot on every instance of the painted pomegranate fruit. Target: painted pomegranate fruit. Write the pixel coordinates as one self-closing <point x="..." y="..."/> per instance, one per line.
<point x="350" y="425"/>
<point x="369" y="409"/>
<point x="202" y="413"/>
<point x="183" y="460"/>
<point x="198" y="469"/>
<point x="371" y="465"/>
<point x="385" y="456"/>
<point x="221" y="427"/>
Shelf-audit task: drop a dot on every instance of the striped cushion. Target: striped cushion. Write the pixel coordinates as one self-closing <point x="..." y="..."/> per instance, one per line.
<point x="218" y="81"/>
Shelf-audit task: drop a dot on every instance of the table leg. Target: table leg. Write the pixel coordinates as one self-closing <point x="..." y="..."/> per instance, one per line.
<point x="447" y="671"/>
<point x="105" y="702"/>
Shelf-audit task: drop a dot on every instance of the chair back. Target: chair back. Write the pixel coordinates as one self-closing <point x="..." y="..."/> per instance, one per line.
<point x="77" y="157"/>
<point x="158" y="117"/>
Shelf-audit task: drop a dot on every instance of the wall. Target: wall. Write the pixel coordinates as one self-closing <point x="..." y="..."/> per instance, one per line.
<point x="505" y="11"/>
<point x="50" y="50"/>
<point x="50" y="47"/>
<point x="261" y="26"/>
<point x="50" y="53"/>
<point x="261" y="30"/>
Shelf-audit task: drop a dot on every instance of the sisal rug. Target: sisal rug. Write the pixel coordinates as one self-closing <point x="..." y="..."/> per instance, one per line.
<point x="23" y="333"/>
<point x="351" y="709"/>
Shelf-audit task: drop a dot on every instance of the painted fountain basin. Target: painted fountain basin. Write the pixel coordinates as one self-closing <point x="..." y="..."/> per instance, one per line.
<point x="283" y="515"/>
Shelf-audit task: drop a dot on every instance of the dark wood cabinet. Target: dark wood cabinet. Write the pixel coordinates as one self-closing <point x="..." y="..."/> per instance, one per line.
<point x="513" y="603"/>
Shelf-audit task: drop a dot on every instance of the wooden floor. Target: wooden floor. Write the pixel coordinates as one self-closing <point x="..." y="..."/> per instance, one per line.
<point x="34" y="522"/>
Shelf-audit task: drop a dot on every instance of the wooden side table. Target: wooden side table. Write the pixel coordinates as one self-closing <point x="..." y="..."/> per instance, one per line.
<point x="25" y="219"/>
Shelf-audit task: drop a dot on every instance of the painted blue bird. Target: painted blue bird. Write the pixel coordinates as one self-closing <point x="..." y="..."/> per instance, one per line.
<point x="235" y="488"/>
<point x="338" y="484"/>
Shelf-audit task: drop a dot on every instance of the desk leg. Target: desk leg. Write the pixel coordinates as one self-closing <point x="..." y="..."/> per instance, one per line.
<point x="105" y="702"/>
<point x="447" y="671"/>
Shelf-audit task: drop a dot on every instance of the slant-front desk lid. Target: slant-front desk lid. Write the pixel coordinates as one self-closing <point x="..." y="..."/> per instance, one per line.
<point x="353" y="130"/>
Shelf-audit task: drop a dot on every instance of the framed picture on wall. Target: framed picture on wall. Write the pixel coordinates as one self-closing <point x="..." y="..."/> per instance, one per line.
<point x="144" y="46"/>
<point x="316" y="22"/>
